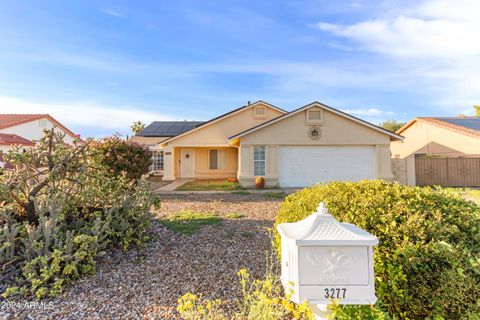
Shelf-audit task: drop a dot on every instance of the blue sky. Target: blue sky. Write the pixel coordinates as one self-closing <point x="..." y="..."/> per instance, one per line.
<point x="97" y="66"/>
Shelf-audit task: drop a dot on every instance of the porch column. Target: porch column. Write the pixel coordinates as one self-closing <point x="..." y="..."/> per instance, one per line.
<point x="168" y="163"/>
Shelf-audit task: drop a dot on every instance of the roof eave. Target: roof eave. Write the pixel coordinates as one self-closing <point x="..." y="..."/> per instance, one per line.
<point x="393" y="136"/>
<point x="223" y="116"/>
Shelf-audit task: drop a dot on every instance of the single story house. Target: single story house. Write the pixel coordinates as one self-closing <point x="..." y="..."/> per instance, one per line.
<point x="314" y="143"/>
<point x="439" y="136"/>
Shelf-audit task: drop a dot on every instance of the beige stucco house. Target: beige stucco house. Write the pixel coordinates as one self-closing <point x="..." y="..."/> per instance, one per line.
<point x="439" y="136"/>
<point x="315" y="143"/>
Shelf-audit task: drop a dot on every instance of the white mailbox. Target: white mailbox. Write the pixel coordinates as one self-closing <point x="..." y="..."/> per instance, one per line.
<point x="323" y="258"/>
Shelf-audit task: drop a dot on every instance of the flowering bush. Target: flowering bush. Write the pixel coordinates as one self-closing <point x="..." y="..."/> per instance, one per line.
<point x="124" y="157"/>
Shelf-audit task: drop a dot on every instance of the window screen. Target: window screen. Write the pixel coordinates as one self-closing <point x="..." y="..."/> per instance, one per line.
<point x="259" y="160"/>
<point x="213" y="159"/>
<point x="315" y="115"/>
<point x="217" y="159"/>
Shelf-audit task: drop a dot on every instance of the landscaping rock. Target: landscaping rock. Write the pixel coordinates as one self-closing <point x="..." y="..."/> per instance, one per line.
<point x="146" y="283"/>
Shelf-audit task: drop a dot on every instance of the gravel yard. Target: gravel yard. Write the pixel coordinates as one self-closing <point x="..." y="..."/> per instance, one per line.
<point x="146" y="284"/>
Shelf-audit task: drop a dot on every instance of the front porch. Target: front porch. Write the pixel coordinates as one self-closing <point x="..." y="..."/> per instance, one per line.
<point x="210" y="162"/>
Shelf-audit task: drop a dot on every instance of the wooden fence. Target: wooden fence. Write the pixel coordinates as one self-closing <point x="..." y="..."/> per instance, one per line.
<point x="453" y="172"/>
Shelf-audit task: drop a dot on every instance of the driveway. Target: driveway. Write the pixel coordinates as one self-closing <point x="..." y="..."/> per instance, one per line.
<point x="146" y="284"/>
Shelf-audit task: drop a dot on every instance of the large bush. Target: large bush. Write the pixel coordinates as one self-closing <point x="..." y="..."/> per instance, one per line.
<point x="124" y="157"/>
<point x="427" y="262"/>
<point x="60" y="208"/>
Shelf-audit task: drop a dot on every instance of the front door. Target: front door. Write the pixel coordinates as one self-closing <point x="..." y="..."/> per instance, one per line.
<point x="187" y="163"/>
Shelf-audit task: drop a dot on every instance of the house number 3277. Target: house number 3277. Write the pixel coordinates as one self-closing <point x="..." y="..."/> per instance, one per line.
<point x="335" y="293"/>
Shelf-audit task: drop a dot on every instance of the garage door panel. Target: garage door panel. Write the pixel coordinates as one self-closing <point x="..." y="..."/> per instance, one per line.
<point x="304" y="166"/>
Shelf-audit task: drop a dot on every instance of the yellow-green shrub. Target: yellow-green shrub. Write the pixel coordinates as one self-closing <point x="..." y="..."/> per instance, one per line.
<point x="427" y="262"/>
<point x="262" y="299"/>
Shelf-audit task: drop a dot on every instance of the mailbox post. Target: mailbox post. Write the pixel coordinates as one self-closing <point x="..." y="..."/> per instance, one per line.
<point x="324" y="259"/>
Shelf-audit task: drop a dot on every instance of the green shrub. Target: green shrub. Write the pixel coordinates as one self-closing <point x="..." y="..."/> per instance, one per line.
<point x="124" y="157"/>
<point x="427" y="262"/>
<point x="59" y="209"/>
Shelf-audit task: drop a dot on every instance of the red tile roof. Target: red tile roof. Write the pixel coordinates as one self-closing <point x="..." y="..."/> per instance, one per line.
<point x="10" y="120"/>
<point x="443" y="124"/>
<point x="10" y="139"/>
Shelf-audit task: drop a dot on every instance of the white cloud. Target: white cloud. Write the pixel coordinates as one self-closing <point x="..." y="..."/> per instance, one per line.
<point x="445" y="28"/>
<point x="114" y="13"/>
<point x="86" y="115"/>
<point x="371" y="112"/>
<point x="434" y="41"/>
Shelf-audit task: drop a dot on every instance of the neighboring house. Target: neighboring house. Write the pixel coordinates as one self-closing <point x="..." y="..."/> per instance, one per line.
<point x="26" y="129"/>
<point x="32" y="126"/>
<point x="439" y="136"/>
<point x="441" y="151"/>
<point x="315" y="143"/>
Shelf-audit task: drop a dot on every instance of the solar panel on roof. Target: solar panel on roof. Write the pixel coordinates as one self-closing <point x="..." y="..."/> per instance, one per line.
<point x="168" y="128"/>
<point x="470" y="123"/>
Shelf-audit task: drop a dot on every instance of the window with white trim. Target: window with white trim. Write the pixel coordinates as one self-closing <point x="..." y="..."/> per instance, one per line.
<point x="217" y="159"/>
<point x="259" y="160"/>
<point x="157" y="161"/>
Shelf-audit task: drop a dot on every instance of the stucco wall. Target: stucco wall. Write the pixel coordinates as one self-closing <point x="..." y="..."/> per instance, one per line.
<point x="403" y="170"/>
<point x="422" y="137"/>
<point x="218" y="133"/>
<point x="5" y="148"/>
<point x="34" y="131"/>
<point x="336" y="131"/>
<point x="202" y="163"/>
<point x="213" y="135"/>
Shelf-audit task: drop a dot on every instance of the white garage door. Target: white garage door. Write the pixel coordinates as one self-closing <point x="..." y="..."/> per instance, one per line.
<point x="304" y="166"/>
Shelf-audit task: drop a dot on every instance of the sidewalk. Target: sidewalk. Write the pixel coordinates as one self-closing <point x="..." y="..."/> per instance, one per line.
<point x="172" y="190"/>
<point x="170" y="187"/>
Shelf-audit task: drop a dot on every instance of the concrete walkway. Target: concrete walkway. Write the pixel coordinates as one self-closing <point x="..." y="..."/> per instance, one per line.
<point x="169" y="188"/>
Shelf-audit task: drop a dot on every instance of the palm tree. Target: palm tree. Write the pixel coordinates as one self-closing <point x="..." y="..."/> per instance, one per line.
<point x="137" y="126"/>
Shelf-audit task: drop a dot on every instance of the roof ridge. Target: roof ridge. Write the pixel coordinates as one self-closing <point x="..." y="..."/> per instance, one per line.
<point x="321" y="105"/>
<point x="213" y="120"/>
